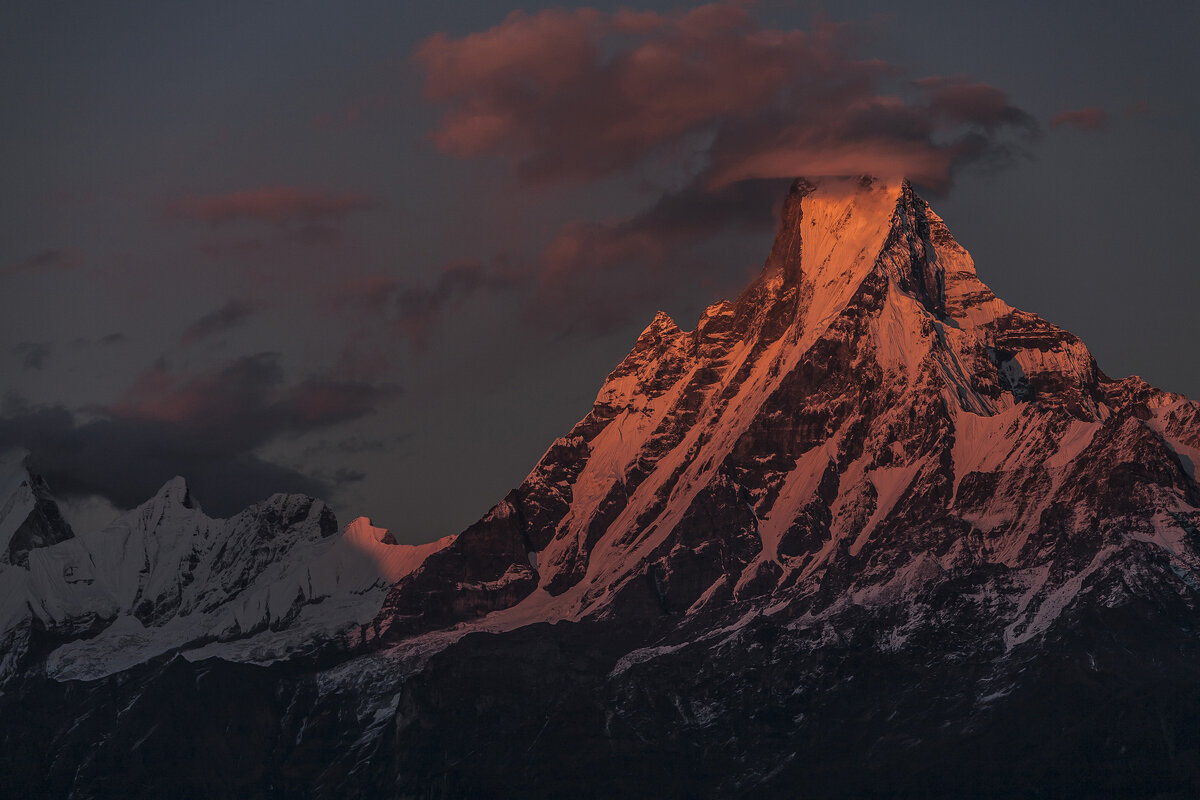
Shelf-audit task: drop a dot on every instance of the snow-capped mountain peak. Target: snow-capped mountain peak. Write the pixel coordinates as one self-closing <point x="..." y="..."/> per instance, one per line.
<point x="29" y="518"/>
<point x="865" y="508"/>
<point x="866" y="379"/>
<point x="177" y="492"/>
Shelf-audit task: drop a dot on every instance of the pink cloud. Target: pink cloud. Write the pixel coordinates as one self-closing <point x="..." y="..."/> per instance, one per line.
<point x="597" y="246"/>
<point x="577" y="95"/>
<point x="349" y="117"/>
<point x="53" y="259"/>
<point x="1137" y="109"/>
<point x="1085" y="119"/>
<point x="959" y="99"/>
<point x="219" y="320"/>
<point x="246" y="398"/>
<point x="277" y="205"/>
<point x="798" y="155"/>
<point x="732" y="108"/>
<point x="206" y="425"/>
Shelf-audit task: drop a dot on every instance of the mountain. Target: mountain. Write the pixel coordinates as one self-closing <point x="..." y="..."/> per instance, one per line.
<point x="866" y="530"/>
<point x="29" y="517"/>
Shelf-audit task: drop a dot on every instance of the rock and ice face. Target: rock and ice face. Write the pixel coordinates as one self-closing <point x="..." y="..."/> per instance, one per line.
<point x="165" y="578"/>
<point x="867" y="412"/>
<point x="865" y="529"/>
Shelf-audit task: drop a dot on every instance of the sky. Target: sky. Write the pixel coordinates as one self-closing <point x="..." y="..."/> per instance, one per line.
<point x="385" y="253"/>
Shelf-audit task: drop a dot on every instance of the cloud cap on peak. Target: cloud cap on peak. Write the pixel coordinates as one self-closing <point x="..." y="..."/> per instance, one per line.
<point x="577" y="95"/>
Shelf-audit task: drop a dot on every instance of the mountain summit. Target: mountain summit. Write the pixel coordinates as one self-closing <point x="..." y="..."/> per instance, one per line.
<point x="867" y="530"/>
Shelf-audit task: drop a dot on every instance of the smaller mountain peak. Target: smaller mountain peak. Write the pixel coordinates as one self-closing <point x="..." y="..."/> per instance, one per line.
<point x="177" y="492"/>
<point x="718" y="309"/>
<point x="363" y="531"/>
<point x="663" y="321"/>
<point x="14" y="467"/>
<point x="29" y="516"/>
<point x="661" y="327"/>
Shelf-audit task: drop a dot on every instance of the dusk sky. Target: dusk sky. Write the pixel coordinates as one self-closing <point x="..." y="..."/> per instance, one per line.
<point x="385" y="253"/>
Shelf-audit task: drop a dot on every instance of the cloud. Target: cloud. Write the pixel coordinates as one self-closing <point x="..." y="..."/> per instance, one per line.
<point x="687" y="214"/>
<point x="54" y="259"/>
<point x="251" y="223"/>
<point x="245" y="400"/>
<point x="342" y="476"/>
<point x="357" y="445"/>
<point x="107" y="340"/>
<point x="33" y="355"/>
<point x="355" y="113"/>
<point x="275" y="205"/>
<point x="1084" y="119"/>
<point x="243" y="247"/>
<point x="413" y="309"/>
<point x="720" y="108"/>
<point x="959" y="99"/>
<point x="350" y="116"/>
<point x="578" y="95"/>
<point x="317" y="235"/>
<point x="205" y="427"/>
<point x="589" y="273"/>
<point x="419" y="307"/>
<point x="652" y="236"/>
<point x="227" y="317"/>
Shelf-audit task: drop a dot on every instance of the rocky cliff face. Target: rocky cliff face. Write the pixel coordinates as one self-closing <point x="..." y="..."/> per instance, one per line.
<point x="866" y="412"/>
<point x="865" y="530"/>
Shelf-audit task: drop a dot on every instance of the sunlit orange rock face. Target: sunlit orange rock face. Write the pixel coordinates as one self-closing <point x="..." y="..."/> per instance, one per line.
<point x="865" y="409"/>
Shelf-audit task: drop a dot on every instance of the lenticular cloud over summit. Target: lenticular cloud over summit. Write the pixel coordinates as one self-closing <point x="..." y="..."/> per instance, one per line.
<point x="571" y="96"/>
